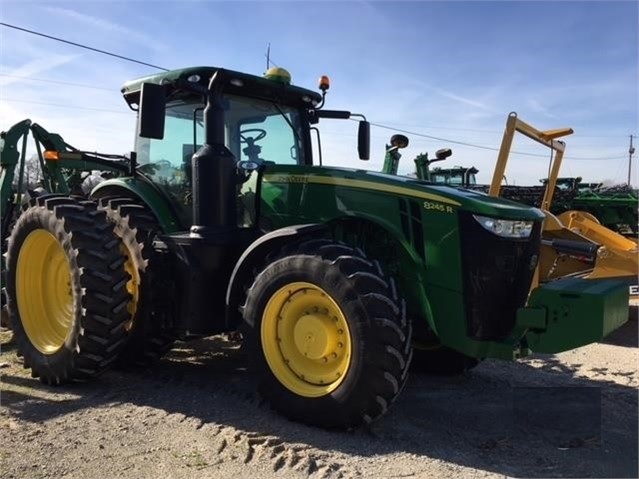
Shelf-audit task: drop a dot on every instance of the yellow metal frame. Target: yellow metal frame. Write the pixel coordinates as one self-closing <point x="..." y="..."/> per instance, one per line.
<point x="547" y="138"/>
<point x="617" y="256"/>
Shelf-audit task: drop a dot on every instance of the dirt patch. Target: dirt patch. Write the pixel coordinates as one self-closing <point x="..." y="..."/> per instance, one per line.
<point x="196" y="415"/>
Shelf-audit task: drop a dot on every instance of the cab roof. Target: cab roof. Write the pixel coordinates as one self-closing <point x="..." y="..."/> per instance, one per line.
<point x="246" y="85"/>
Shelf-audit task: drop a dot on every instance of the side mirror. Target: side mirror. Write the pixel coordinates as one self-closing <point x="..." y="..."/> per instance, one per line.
<point x="400" y="141"/>
<point x="364" y="140"/>
<point x="151" y="111"/>
<point x="443" y="153"/>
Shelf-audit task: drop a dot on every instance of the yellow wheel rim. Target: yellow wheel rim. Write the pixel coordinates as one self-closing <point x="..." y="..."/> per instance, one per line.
<point x="132" y="286"/>
<point x="44" y="291"/>
<point x="306" y="340"/>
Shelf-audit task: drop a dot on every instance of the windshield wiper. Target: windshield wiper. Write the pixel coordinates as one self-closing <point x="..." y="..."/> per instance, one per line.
<point x="295" y="132"/>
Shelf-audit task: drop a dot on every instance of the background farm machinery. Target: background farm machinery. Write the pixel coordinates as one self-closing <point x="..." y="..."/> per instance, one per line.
<point x="589" y="230"/>
<point x="54" y="167"/>
<point x="616" y="207"/>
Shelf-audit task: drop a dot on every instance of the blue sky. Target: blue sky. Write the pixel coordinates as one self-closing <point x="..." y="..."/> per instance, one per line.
<point x="452" y="70"/>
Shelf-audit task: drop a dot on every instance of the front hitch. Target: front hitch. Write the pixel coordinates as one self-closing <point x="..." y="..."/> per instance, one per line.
<point x="573" y="312"/>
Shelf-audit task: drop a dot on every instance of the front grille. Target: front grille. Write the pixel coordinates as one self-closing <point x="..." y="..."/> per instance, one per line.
<point x="497" y="273"/>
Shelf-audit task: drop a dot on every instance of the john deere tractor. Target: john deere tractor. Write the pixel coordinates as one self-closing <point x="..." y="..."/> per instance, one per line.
<point x="230" y="222"/>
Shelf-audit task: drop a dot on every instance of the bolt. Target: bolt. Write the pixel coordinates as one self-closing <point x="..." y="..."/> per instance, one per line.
<point x="340" y="345"/>
<point x="340" y="331"/>
<point x="325" y="359"/>
<point x="334" y="355"/>
<point x="335" y="318"/>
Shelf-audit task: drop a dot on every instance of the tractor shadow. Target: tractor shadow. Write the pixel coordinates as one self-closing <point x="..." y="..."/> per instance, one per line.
<point x="514" y="419"/>
<point x="627" y="335"/>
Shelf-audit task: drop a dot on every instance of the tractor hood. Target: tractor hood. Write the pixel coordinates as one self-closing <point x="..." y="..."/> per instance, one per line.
<point x="468" y="200"/>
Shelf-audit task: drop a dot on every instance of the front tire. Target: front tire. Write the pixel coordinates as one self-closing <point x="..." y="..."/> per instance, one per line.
<point x="66" y="290"/>
<point x="327" y="336"/>
<point x="441" y="361"/>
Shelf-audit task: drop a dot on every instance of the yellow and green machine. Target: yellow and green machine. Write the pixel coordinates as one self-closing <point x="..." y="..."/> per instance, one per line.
<point x="226" y="219"/>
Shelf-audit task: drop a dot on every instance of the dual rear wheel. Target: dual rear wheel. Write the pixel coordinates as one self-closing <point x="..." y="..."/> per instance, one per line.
<point x="79" y="287"/>
<point x="67" y="289"/>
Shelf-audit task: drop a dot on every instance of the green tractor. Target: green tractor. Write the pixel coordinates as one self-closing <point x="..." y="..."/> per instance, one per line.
<point x="336" y="278"/>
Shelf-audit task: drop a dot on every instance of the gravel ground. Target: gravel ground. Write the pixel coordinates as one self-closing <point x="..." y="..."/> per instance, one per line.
<point x="196" y="415"/>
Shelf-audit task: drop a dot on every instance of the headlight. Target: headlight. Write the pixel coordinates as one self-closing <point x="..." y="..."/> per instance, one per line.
<point x="506" y="228"/>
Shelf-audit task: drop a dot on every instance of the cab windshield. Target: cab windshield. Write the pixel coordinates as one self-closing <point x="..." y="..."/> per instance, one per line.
<point x="253" y="130"/>
<point x="275" y="129"/>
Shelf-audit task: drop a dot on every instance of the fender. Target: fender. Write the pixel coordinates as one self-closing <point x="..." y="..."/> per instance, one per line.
<point x="148" y="193"/>
<point x="255" y="254"/>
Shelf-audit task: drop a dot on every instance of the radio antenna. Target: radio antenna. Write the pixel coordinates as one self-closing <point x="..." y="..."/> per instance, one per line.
<point x="268" y="56"/>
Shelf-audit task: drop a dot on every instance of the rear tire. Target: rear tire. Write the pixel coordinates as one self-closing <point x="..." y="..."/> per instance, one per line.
<point x="148" y="337"/>
<point x="327" y="336"/>
<point x="66" y="290"/>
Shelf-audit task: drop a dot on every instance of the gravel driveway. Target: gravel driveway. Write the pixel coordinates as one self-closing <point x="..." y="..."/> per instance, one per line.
<point x="196" y="415"/>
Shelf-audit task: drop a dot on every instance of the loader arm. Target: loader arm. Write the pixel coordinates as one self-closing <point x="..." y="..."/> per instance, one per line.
<point x="10" y="158"/>
<point x="61" y="165"/>
<point x="620" y="253"/>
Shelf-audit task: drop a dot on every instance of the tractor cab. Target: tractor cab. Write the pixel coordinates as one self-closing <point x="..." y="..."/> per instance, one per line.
<point x="457" y="176"/>
<point x="257" y="121"/>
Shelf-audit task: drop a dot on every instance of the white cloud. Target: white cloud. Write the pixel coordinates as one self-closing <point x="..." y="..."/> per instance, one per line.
<point x="34" y="68"/>
<point x="537" y="107"/>
<point x="461" y="99"/>
<point x="111" y="27"/>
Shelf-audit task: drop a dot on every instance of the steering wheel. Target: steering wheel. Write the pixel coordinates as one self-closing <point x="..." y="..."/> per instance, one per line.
<point x="251" y="139"/>
<point x="163" y="164"/>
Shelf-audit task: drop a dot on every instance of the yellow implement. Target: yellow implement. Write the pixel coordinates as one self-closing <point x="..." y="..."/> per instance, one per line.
<point x="574" y="243"/>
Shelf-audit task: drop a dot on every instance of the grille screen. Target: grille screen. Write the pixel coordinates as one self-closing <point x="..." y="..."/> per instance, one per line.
<point x="497" y="273"/>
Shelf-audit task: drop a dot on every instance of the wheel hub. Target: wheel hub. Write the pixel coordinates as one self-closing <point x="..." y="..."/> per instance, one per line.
<point x="314" y="336"/>
<point x="305" y="339"/>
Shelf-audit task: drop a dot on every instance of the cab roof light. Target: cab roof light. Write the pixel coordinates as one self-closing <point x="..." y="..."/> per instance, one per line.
<point x="324" y="83"/>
